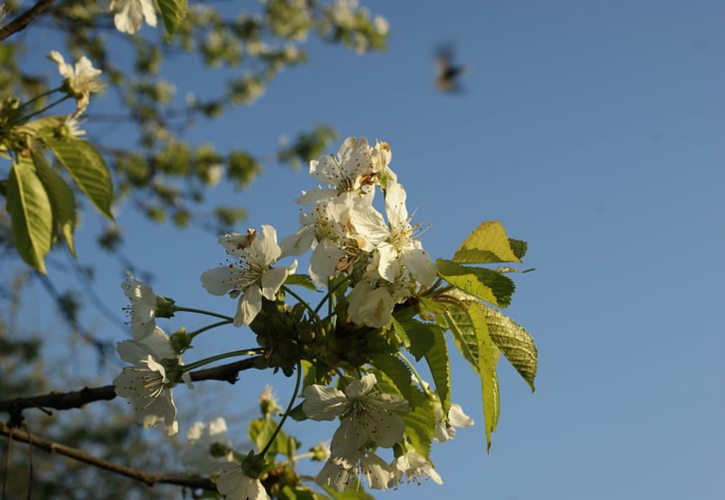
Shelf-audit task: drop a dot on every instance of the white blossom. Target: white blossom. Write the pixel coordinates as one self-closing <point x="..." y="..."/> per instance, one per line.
<point x="399" y="251"/>
<point x="414" y="467"/>
<point x="367" y="415"/>
<point x="370" y="306"/>
<point x="80" y="80"/>
<point x="255" y="278"/>
<point x="356" y="167"/>
<point x="146" y="384"/>
<point x="197" y="458"/>
<point x="143" y="306"/>
<point x="445" y="428"/>
<point x="234" y="484"/>
<point x="338" y="471"/>
<point x="131" y="14"/>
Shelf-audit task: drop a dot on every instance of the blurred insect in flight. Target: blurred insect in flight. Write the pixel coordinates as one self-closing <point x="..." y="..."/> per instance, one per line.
<point x="447" y="72"/>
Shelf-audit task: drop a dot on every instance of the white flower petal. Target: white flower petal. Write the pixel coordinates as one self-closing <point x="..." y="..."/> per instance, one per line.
<point x="266" y="247"/>
<point x="418" y="262"/>
<point x="395" y="204"/>
<point x="369" y="223"/>
<point x="298" y="243"/>
<point x="220" y="280"/>
<point x="376" y="471"/>
<point x="249" y="306"/>
<point x="359" y="388"/>
<point x="323" y="403"/>
<point x="388" y="266"/>
<point x="458" y="418"/>
<point x="324" y="261"/>
<point x="272" y="281"/>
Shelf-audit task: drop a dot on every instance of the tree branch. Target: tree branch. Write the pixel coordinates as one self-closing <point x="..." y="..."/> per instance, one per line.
<point x="149" y="478"/>
<point x="77" y="399"/>
<point x="20" y="22"/>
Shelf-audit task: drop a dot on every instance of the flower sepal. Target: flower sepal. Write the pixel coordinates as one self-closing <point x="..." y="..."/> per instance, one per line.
<point x="254" y="465"/>
<point x="180" y="341"/>
<point x="165" y="307"/>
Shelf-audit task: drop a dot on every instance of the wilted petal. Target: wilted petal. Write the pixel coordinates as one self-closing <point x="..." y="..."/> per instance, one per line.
<point x="220" y="280"/>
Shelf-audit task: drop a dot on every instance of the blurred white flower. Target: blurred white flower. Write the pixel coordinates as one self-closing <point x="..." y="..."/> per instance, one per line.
<point x="80" y="80"/>
<point x="200" y="457"/>
<point x="131" y="14"/>
<point x="143" y="306"/>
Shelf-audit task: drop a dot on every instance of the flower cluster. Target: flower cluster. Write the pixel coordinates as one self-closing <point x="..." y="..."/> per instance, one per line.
<point x="384" y="296"/>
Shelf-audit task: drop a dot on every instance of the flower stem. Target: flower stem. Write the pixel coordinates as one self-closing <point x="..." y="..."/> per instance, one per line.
<point x="40" y="96"/>
<point x="328" y="295"/>
<point x="315" y="316"/>
<point x="202" y="311"/>
<point x="209" y="327"/>
<point x="36" y="113"/>
<point x="211" y="359"/>
<point x="287" y="411"/>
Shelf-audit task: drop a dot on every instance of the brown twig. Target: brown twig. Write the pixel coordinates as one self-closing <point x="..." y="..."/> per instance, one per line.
<point x="149" y="478"/>
<point x="77" y="399"/>
<point x="20" y="22"/>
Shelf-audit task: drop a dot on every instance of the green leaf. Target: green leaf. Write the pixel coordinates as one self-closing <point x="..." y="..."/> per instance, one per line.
<point x="61" y="197"/>
<point x="300" y="280"/>
<point x="31" y="213"/>
<point x="397" y="371"/>
<point x="260" y="431"/>
<point x="47" y="125"/>
<point x="485" y="284"/>
<point x="402" y="334"/>
<point x="419" y="335"/>
<point x="420" y="422"/>
<point x="354" y="492"/>
<point x="514" y="342"/>
<point x="486" y="244"/>
<point x="519" y="247"/>
<point x="440" y="369"/>
<point x="173" y="13"/>
<point x="468" y="324"/>
<point x="88" y="170"/>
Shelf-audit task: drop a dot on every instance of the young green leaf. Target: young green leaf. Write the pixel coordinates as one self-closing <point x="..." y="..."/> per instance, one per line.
<point x="301" y="280"/>
<point x="87" y="168"/>
<point x="61" y="197"/>
<point x="353" y="492"/>
<point x="420" y="422"/>
<point x="519" y="247"/>
<point x="31" y="213"/>
<point x="440" y="369"/>
<point x="486" y="244"/>
<point x="485" y="284"/>
<point x="416" y="335"/>
<point x="470" y="331"/>
<point x="397" y="372"/>
<point x="173" y="13"/>
<point x="514" y="342"/>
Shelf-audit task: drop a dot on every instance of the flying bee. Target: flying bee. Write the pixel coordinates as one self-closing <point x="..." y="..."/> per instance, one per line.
<point x="447" y="71"/>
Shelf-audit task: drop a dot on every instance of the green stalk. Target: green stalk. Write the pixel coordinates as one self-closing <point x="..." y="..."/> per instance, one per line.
<point x="31" y="115"/>
<point x="211" y="359"/>
<point x="209" y="327"/>
<point x="328" y="295"/>
<point x="202" y="311"/>
<point x="306" y="305"/>
<point x="287" y="411"/>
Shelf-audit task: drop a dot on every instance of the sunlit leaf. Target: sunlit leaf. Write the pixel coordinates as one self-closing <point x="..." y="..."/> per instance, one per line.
<point x="301" y="280"/>
<point x="173" y="13"/>
<point x="485" y="284"/>
<point x="486" y="244"/>
<point x="88" y="170"/>
<point x="514" y="342"/>
<point x="397" y="371"/>
<point x="61" y="197"/>
<point x="440" y="369"/>
<point x="31" y="213"/>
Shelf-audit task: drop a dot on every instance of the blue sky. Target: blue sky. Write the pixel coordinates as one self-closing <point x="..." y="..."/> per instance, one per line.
<point x="593" y="130"/>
